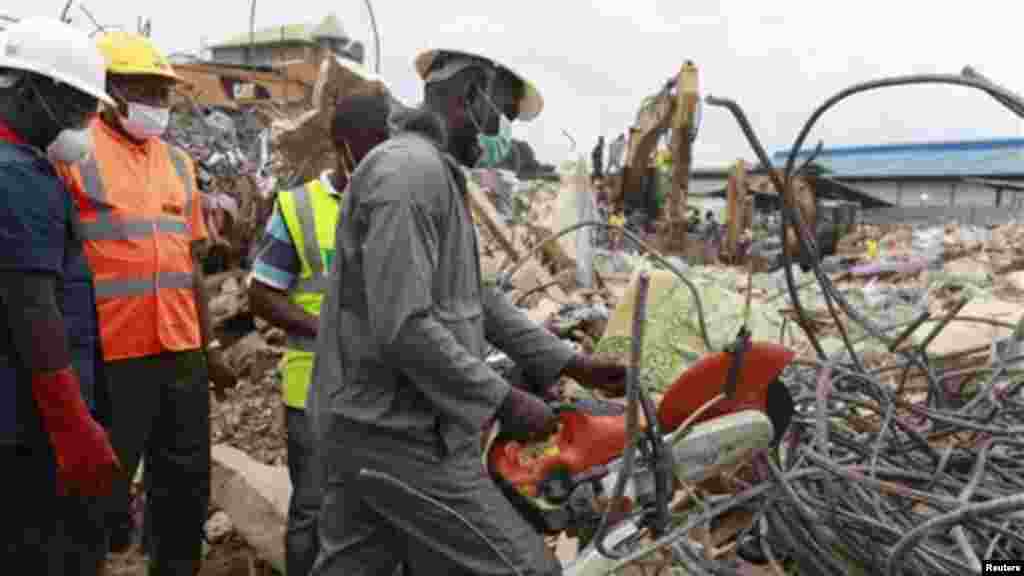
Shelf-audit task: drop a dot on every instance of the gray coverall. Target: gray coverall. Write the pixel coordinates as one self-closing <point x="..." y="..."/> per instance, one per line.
<point x="399" y="385"/>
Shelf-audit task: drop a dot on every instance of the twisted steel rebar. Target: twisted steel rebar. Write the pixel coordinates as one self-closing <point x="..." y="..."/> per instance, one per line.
<point x="872" y="478"/>
<point x="909" y="468"/>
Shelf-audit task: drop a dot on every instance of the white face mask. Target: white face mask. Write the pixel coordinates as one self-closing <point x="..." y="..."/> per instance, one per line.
<point x="70" y="146"/>
<point x="144" y="122"/>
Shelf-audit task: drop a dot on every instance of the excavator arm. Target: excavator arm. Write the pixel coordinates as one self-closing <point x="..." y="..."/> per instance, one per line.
<point x="677" y="107"/>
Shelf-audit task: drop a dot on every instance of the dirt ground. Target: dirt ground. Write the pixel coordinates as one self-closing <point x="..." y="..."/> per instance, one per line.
<point x="250" y="419"/>
<point x="231" y="557"/>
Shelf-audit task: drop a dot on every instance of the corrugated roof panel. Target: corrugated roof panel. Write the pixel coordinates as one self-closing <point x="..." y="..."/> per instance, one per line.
<point x="969" y="158"/>
<point x="286" y="33"/>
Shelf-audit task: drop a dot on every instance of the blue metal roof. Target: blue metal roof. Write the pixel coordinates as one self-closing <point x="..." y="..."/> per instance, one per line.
<point x="1000" y="157"/>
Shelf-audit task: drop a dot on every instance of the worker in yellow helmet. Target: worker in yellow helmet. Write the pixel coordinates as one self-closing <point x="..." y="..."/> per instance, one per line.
<point x="142" y="224"/>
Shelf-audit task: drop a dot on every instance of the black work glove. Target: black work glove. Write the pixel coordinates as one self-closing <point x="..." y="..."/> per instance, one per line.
<point x="525" y="417"/>
<point x="606" y="376"/>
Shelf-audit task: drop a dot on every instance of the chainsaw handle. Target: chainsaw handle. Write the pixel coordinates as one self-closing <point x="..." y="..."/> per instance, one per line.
<point x="738" y="350"/>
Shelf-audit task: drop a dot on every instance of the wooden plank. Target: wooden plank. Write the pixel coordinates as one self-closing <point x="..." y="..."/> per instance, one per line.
<point x="483" y="208"/>
<point x="732" y="210"/>
<point x="737" y="207"/>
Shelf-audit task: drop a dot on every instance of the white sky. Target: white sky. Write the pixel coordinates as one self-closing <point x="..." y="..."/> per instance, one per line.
<point x="595" y="61"/>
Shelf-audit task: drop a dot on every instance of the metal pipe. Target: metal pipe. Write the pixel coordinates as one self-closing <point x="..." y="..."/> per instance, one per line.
<point x="376" y="38"/>
<point x="632" y="407"/>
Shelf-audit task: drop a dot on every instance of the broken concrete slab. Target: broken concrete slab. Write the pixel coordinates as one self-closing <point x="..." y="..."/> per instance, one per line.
<point x="971" y="269"/>
<point x="565" y="549"/>
<point x="1016" y="280"/>
<point x="251" y="356"/>
<point x="960" y="337"/>
<point x="306" y="146"/>
<point x="255" y="498"/>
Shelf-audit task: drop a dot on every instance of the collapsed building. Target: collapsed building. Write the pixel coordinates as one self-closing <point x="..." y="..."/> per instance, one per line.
<point x="902" y="395"/>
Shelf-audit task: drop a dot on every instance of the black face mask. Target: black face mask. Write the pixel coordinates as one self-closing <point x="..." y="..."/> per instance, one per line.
<point x="66" y="107"/>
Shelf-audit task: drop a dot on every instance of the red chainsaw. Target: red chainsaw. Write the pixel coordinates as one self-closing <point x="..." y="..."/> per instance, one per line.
<point x="560" y="489"/>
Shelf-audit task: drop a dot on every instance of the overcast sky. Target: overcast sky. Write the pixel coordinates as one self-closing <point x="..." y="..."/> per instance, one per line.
<point x="594" y="62"/>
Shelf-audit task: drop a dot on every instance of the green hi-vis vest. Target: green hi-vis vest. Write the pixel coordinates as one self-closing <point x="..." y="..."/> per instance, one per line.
<point x="311" y="214"/>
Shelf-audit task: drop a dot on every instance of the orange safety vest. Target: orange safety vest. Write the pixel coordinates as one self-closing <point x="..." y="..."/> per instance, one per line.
<point x="140" y="213"/>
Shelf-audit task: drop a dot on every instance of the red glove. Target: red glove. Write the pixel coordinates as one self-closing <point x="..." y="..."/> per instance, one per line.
<point x="86" y="463"/>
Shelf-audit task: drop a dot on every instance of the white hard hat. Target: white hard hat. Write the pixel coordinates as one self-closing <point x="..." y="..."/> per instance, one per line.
<point x="58" y="51"/>
<point x="531" y="103"/>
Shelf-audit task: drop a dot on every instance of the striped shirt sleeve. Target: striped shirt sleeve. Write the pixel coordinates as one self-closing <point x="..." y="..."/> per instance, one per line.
<point x="277" y="262"/>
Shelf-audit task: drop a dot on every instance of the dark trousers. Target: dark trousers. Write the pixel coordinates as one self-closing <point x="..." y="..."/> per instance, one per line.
<point x="444" y="515"/>
<point x="161" y="411"/>
<point x="304" y="506"/>
<point x="44" y="533"/>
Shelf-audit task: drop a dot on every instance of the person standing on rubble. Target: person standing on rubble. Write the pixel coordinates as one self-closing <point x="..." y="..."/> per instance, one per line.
<point x="288" y="283"/>
<point x="142" y="224"/>
<point x="400" y="388"/>
<point x="58" y="460"/>
<point x="597" y="159"/>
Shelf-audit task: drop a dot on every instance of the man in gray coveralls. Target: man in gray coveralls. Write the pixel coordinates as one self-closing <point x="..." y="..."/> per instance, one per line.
<point x="400" y="391"/>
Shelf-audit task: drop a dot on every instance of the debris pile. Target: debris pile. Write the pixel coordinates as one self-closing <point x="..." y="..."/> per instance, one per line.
<point x="903" y="457"/>
<point x="231" y="152"/>
<point x="251" y="417"/>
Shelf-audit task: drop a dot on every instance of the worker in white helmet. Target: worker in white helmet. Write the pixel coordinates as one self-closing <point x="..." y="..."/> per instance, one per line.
<point x="401" y="392"/>
<point x="58" y="461"/>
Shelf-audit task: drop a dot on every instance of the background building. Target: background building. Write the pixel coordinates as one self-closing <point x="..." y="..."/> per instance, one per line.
<point x="289" y="43"/>
<point x="972" y="182"/>
<point x="965" y="173"/>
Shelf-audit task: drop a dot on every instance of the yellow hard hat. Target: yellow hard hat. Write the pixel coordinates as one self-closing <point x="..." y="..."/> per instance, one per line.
<point x="133" y="54"/>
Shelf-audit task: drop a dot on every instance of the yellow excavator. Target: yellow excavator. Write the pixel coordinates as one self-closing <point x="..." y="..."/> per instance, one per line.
<point x="674" y="111"/>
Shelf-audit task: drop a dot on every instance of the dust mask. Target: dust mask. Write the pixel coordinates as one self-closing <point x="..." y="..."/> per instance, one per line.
<point x="144" y="122"/>
<point x="70" y="146"/>
<point x="494" y="148"/>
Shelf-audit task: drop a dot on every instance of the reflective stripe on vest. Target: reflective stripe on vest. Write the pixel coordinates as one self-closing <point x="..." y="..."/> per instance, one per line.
<point x="311" y="214"/>
<point x="303" y="229"/>
<point x="317" y="282"/>
<point x="106" y="228"/>
<point x="136" y="214"/>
